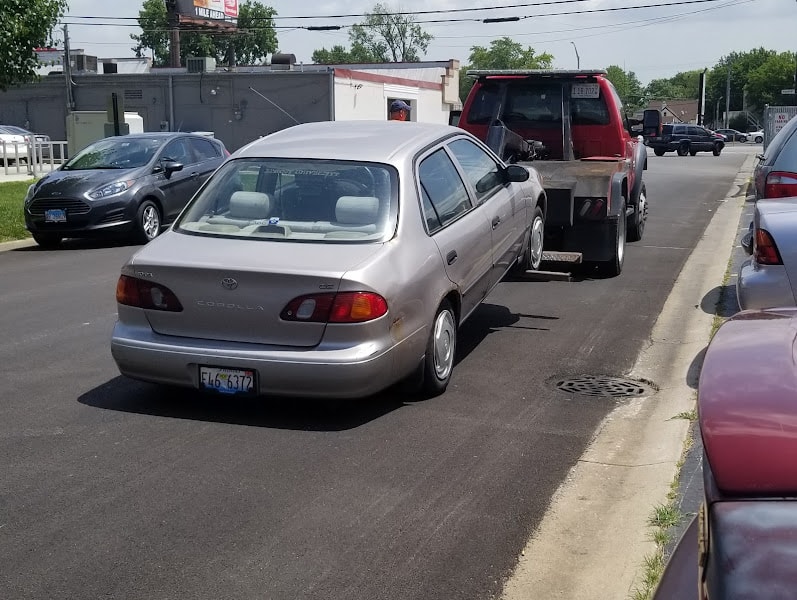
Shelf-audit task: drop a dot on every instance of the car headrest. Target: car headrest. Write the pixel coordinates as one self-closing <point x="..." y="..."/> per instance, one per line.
<point x="357" y="210"/>
<point x="249" y="205"/>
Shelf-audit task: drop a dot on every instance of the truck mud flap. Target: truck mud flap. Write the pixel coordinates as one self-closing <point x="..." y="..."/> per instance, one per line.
<point x="561" y="202"/>
<point x="595" y="240"/>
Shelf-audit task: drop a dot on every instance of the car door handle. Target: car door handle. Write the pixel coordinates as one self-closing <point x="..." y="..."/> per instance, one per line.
<point x="451" y="257"/>
<point x="194" y="175"/>
<point x="496" y="222"/>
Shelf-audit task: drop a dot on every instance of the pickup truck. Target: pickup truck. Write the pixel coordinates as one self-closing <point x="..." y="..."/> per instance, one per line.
<point x="571" y="128"/>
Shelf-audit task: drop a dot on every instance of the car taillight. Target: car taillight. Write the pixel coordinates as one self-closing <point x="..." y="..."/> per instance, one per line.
<point x="146" y="294"/>
<point x="765" y="251"/>
<point x="344" y="307"/>
<point x="780" y="184"/>
<point x="226" y="152"/>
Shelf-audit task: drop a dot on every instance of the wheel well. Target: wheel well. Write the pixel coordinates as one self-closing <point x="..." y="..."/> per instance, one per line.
<point x="542" y="202"/>
<point x="454" y="300"/>
<point x="155" y="201"/>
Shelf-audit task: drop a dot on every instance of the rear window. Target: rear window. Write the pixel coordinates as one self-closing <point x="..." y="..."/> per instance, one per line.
<point x="783" y="148"/>
<point x="666" y="129"/>
<point x="296" y="200"/>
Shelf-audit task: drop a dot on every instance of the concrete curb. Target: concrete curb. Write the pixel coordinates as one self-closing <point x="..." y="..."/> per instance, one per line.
<point x="6" y="246"/>
<point x="594" y="536"/>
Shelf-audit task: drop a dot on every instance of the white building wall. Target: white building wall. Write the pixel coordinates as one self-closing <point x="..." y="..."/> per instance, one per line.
<point x="359" y="100"/>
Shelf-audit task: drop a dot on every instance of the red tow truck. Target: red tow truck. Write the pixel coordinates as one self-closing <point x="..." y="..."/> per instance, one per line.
<point x="571" y="127"/>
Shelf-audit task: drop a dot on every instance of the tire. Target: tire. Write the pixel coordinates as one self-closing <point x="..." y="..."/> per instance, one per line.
<point x="693" y="153"/>
<point x="743" y="138"/>
<point x="682" y="150"/>
<point x="531" y="258"/>
<point x="47" y="240"/>
<point x="438" y="363"/>
<point x="636" y="228"/>
<point x="614" y="266"/>
<point x="658" y="151"/>
<point x="759" y="139"/>
<point x="148" y="222"/>
<point x="717" y="150"/>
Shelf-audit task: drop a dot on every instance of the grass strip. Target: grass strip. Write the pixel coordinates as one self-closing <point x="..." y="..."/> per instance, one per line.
<point x="12" y="218"/>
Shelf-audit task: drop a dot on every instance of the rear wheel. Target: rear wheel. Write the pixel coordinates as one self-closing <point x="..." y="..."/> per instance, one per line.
<point x="658" y="151"/>
<point x="47" y="240"/>
<point x="683" y="150"/>
<point x="759" y="139"/>
<point x="439" y="360"/>
<point x="614" y="266"/>
<point x="148" y="222"/>
<point x="693" y="153"/>
<point x="531" y="258"/>
<point x="636" y="227"/>
<point x="717" y="150"/>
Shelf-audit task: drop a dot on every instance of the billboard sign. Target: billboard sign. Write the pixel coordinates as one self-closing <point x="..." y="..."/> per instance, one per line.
<point x="218" y="10"/>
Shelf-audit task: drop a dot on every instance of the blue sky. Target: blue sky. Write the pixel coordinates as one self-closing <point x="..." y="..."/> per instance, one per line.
<point x="653" y="42"/>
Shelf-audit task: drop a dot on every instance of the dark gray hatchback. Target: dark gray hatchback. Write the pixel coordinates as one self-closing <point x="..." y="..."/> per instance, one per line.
<point x="129" y="185"/>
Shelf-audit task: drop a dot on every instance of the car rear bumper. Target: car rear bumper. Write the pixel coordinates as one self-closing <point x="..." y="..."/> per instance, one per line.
<point x="763" y="286"/>
<point x="335" y="372"/>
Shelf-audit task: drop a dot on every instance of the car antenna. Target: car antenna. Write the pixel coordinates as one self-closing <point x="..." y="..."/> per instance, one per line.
<point x="277" y="106"/>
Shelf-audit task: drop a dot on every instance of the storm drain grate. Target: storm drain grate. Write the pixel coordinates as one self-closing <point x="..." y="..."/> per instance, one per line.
<point x="605" y="387"/>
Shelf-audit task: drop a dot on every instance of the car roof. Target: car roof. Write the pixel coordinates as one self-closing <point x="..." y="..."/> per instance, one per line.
<point x="373" y="141"/>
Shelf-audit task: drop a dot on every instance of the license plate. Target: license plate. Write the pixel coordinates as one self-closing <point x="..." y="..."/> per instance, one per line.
<point x="55" y="215"/>
<point x="585" y="90"/>
<point x="227" y="381"/>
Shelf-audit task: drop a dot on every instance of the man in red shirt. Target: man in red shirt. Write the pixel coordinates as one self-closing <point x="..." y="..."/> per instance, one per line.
<point x="399" y="111"/>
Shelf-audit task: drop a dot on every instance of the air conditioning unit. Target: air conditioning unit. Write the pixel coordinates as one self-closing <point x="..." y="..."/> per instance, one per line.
<point x="200" y="64"/>
<point x="85" y="62"/>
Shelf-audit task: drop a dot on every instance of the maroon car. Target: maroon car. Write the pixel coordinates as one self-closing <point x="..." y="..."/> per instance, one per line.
<point x="744" y="542"/>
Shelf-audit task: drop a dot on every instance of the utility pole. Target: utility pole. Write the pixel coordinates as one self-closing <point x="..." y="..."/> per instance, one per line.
<point x="727" y="97"/>
<point x="70" y="101"/>
<point x="174" y="33"/>
<point x="578" y="58"/>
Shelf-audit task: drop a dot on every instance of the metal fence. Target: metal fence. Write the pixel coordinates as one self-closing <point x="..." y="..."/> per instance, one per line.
<point x="31" y="158"/>
<point x="775" y="117"/>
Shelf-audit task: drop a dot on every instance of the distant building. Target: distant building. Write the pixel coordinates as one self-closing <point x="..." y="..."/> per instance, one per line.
<point x="676" y="111"/>
<point x="51" y="60"/>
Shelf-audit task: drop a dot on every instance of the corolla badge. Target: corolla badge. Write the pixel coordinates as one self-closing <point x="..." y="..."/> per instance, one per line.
<point x="229" y="283"/>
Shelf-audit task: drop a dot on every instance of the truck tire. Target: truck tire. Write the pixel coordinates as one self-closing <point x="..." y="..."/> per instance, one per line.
<point x="614" y="266"/>
<point x="531" y="256"/>
<point x="683" y="150"/>
<point x="658" y="151"/>
<point x="636" y="224"/>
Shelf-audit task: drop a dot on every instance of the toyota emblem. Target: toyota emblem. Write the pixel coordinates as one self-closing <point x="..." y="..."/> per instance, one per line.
<point x="229" y="283"/>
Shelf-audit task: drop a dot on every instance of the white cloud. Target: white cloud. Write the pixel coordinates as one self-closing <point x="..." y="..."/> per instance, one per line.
<point x="652" y="42"/>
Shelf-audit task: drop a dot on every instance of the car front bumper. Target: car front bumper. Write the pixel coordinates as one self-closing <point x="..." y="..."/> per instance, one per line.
<point x="763" y="286"/>
<point x="83" y="217"/>
<point x="335" y="372"/>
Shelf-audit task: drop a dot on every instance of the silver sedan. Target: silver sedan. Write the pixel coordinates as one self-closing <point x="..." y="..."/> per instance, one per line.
<point x="329" y="259"/>
<point x="768" y="278"/>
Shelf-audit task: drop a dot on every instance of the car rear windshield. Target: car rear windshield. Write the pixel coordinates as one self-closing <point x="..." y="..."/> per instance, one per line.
<point x="539" y="105"/>
<point x="296" y="200"/>
<point x="115" y="153"/>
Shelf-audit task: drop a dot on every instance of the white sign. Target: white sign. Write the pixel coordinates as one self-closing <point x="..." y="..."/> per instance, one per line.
<point x="787" y="91"/>
<point x="779" y="120"/>
<point x="585" y="90"/>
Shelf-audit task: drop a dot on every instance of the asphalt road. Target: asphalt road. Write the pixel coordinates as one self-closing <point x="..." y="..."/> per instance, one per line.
<point x="111" y="488"/>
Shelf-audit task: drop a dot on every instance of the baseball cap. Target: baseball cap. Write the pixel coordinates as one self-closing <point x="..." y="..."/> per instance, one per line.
<point x="399" y="105"/>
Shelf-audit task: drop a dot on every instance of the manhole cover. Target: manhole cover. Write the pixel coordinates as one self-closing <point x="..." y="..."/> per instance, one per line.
<point x="605" y="387"/>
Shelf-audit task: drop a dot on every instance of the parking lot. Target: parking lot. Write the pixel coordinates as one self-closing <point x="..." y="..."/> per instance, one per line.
<point x="113" y="485"/>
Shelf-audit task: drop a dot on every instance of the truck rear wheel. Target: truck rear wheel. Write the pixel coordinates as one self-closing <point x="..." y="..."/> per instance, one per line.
<point x="682" y="150"/>
<point x="614" y="266"/>
<point x="636" y="226"/>
<point x="658" y="151"/>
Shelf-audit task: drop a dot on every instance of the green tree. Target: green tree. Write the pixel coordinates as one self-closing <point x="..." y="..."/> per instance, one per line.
<point x="25" y="25"/>
<point x="764" y="84"/>
<point x="503" y="53"/>
<point x="384" y="36"/>
<point x="738" y="65"/>
<point x="254" y="38"/>
<point x="627" y="85"/>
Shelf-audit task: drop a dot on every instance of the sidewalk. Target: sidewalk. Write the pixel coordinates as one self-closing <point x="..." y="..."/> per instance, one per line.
<point x="23" y="173"/>
<point x="594" y="538"/>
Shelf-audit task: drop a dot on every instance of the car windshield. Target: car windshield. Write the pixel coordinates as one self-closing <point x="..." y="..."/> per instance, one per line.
<point x="296" y="200"/>
<point x="115" y="153"/>
<point x="14" y="130"/>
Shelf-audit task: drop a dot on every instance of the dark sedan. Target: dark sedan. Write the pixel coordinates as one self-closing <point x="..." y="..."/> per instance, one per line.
<point x="732" y="135"/>
<point x="128" y="185"/>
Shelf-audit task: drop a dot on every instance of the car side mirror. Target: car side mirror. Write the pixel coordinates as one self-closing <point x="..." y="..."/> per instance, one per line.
<point x="516" y="173"/>
<point x="170" y="166"/>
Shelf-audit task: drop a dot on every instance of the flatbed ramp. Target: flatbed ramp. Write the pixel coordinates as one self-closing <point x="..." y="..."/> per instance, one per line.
<point x="558" y="263"/>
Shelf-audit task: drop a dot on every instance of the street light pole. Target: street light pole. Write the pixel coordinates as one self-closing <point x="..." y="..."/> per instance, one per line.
<point x="578" y="58"/>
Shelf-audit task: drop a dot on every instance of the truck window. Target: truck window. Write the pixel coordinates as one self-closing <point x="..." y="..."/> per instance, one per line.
<point x="540" y="104"/>
<point x="484" y="103"/>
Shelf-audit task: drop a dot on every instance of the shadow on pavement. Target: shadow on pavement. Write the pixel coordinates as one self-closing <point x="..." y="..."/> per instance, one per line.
<point x="127" y="395"/>
<point x="721" y="301"/>
<point x="79" y="244"/>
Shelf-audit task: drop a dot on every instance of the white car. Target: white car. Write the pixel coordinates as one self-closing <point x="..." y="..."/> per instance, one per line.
<point x="756" y="136"/>
<point x="12" y="148"/>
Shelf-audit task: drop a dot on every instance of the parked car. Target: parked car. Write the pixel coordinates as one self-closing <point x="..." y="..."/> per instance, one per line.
<point x="330" y="259"/>
<point x="42" y="141"/>
<point x="12" y="148"/>
<point x="768" y="278"/>
<point x="732" y="135"/>
<point x="756" y="136"/>
<point x="744" y="541"/>
<point x="775" y="174"/>
<point x="125" y="185"/>
<point x="684" y="139"/>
